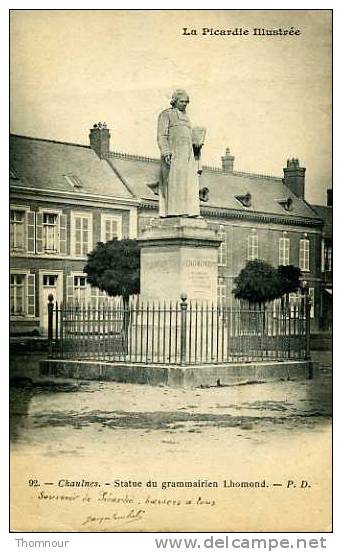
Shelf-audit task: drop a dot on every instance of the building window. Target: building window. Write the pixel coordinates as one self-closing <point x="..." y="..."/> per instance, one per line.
<point x="17" y="230"/>
<point x="144" y="222"/>
<point x="327" y="258"/>
<point x="18" y="294"/>
<point x="221" y="291"/>
<point x="80" y="291"/>
<point x="22" y="294"/>
<point x="74" y="181"/>
<point x="13" y="174"/>
<point x="253" y="247"/>
<point x="222" y="251"/>
<point x="80" y="288"/>
<point x="312" y="297"/>
<point x="111" y="228"/>
<point x="245" y="200"/>
<point x="81" y="234"/>
<point x="304" y="254"/>
<point x="49" y="280"/>
<point x="50" y="232"/>
<point x="296" y="299"/>
<point x="284" y="251"/>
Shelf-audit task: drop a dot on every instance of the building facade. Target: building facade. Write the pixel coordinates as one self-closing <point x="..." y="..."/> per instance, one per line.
<point x="326" y="302"/>
<point x="67" y="197"/>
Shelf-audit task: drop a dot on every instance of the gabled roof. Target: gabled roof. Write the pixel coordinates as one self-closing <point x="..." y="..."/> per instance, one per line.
<point x="66" y="167"/>
<point x="268" y="193"/>
<point x="58" y="166"/>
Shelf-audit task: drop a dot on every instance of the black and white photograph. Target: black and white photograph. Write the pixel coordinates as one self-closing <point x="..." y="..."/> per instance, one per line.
<point x="171" y="256"/>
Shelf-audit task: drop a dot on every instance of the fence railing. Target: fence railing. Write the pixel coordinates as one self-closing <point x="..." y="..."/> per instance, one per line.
<point x="182" y="333"/>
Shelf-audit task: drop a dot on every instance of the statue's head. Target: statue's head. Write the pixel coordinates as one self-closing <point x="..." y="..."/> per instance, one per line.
<point x="180" y="99"/>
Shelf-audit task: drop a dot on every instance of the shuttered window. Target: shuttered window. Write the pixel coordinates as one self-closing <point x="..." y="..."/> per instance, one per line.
<point x="17" y="230"/>
<point x="22" y="294"/>
<point x="222" y="251"/>
<point x="31" y="231"/>
<point x="63" y="235"/>
<point x="221" y="291"/>
<point x="80" y="289"/>
<point x="327" y="258"/>
<point x="18" y="294"/>
<point x="50" y="232"/>
<point x="111" y="227"/>
<point x="296" y="298"/>
<point x="304" y="255"/>
<point x="81" y="234"/>
<point x="253" y="247"/>
<point x="284" y="251"/>
<point x="30" y="295"/>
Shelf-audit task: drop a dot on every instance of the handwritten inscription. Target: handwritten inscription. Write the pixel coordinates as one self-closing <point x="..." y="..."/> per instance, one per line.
<point x="125" y="503"/>
<point x="131" y="508"/>
<point x="128" y="517"/>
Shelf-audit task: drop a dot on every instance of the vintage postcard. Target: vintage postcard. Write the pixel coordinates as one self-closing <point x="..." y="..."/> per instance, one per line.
<point x="171" y="270"/>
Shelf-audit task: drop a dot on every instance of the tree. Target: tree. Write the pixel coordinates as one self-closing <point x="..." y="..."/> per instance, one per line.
<point x="257" y="283"/>
<point x="114" y="267"/>
<point x="289" y="279"/>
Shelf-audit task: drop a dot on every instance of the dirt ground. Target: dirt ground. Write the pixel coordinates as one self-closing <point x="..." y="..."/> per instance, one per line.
<point x="123" y="430"/>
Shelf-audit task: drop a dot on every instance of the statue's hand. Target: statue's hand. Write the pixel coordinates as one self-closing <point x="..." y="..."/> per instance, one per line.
<point x="167" y="159"/>
<point x="197" y="150"/>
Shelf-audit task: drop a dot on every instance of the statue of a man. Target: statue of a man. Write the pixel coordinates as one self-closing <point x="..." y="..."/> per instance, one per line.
<point x="180" y="152"/>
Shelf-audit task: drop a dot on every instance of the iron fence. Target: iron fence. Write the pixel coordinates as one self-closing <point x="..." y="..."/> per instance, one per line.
<point x="182" y="333"/>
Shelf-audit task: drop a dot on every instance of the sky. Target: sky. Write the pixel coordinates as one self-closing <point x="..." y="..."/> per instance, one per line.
<point x="266" y="98"/>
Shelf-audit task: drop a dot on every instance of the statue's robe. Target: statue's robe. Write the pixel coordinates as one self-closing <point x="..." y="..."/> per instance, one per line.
<point x="178" y="183"/>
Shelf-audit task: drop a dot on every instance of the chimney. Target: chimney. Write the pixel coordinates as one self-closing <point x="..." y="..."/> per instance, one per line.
<point x="329" y="197"/>
<point x="294" y="177"/>
<point x="99" y="139"/>
<point x="227" y="162"/>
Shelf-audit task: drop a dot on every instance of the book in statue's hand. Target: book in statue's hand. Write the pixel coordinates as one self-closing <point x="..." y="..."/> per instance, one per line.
<point x="198" y="135"/>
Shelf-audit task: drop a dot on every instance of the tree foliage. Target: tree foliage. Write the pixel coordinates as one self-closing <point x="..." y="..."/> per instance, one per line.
<point x="114" y="267"/>
<point x="289" y="279"/>
<point x="256" y="283"/>
<point x="259" y="282"/>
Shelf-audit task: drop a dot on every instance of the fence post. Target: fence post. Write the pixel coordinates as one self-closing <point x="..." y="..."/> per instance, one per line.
<point x="308" y="303"/>
<point x="183" y="306"/>
<point x="50" y="324"/>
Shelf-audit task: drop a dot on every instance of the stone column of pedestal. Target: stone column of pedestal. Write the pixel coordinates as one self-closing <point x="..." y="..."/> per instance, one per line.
<point x="179" y="255"/>
<point x="178" y="258"/>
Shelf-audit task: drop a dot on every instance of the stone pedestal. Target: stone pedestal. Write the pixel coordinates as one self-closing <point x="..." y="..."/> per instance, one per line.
<point x="179" y="256"/>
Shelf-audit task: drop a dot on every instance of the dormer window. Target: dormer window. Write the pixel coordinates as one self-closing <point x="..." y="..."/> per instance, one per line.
<point x="13" y="174"/>
<point x="74" y="181"/>
<point x="204" y="194"/>
<point x="154" y="187"/>
<point x="287" y="203"/>
<point x="245" y="200"/>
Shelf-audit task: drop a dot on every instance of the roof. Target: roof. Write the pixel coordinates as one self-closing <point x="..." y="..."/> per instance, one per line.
<point x="59" y="166"/>
<point x="267" y="192"/>
<point x="325" y="213"/>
